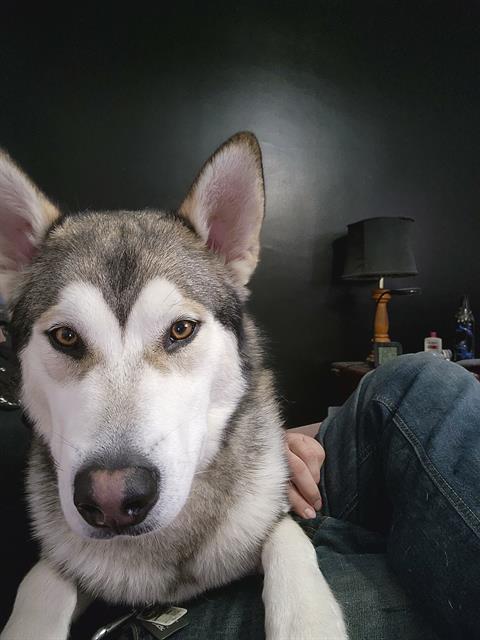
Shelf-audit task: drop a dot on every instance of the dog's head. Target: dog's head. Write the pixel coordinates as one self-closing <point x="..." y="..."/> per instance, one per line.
<point x="129" y="331"/>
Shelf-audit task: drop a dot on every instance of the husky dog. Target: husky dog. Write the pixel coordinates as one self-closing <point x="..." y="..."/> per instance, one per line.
<point x="158" y="465"/>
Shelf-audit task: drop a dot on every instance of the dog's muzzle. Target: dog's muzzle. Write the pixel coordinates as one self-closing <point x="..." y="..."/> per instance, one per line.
<point x="115" y="499"/>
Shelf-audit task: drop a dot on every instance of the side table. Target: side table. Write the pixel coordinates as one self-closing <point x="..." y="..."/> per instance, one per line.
<point x="346" y="376"/>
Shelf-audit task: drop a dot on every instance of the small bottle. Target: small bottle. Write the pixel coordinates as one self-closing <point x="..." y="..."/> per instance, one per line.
<point x="433" y="343"/>
<point x="464" y="332"/>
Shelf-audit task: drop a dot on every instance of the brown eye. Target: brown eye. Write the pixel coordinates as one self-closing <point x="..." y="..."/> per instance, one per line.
<point x="65" y="337"/>
<point x="182" y="329"/>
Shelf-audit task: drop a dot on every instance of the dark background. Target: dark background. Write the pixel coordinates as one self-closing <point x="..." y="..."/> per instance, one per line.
<point x="361" y="109"/>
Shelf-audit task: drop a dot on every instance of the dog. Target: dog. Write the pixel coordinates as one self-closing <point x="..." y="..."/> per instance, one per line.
<point x="158" y="467"/>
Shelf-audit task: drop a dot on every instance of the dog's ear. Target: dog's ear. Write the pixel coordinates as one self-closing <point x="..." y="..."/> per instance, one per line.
<point x="226" y="204"/>
<point x="25" y="215"/>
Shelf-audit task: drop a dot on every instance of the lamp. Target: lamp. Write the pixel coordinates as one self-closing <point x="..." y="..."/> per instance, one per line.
<point x="378" y="248"/>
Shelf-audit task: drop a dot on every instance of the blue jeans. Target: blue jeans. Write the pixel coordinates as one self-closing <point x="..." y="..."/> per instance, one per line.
<point x="403" y="459"/>
<point x="398" y="538"/>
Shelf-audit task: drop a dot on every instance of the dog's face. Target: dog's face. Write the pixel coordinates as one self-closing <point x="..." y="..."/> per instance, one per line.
<point x="129" y="330"/>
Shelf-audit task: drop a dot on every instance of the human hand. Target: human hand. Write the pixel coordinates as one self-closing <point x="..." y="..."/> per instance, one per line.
<point x="305" y="458"/>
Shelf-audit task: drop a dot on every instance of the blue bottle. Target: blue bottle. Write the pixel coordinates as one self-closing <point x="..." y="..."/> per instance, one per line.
<point x="464" y="332"/>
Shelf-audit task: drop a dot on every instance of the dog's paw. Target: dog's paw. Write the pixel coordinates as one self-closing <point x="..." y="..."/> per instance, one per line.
<point x="31" y="630"/>
<point x="307" y="620"/>
<point x="299" y="604"/>
<point x="305" y="610"/>
<point x="43" y="607"/>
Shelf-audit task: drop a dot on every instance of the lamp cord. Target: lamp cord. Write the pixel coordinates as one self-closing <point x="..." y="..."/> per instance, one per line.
<point x="380" y="297"/>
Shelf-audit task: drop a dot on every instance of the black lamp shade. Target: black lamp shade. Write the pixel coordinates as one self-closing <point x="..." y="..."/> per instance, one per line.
<point x="379" y="247"/>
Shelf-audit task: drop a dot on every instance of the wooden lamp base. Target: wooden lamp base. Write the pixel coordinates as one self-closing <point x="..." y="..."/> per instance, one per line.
<point x="380" y="333"/>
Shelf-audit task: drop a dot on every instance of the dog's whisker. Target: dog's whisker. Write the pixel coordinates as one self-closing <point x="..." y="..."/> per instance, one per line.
<point x="167" y="296"/>
<point x="56" y="434"/>
<point x="57" y="466"/>
<point x="168" y="434"/>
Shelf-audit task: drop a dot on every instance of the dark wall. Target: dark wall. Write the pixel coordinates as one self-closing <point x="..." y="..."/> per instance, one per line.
<point x="361" y="110"/>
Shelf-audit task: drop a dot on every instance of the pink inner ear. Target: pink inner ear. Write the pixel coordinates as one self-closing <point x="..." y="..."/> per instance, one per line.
<point x="234" y="204"/>
<point x="17" y="239"/>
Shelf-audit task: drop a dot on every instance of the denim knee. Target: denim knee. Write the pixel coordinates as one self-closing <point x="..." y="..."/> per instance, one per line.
<point x="424" y="373"/>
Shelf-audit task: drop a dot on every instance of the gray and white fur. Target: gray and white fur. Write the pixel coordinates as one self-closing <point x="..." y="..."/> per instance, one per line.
<point x="198" y="415"/>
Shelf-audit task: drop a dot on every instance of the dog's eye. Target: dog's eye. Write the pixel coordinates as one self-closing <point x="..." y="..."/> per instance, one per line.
<point x="67" y="341"/>
<point x="182" y="329"/>
<point x="64" y="337"/>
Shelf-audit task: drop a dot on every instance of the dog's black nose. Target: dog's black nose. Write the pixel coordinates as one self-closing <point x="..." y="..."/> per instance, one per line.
<point x="115" y="498"/>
